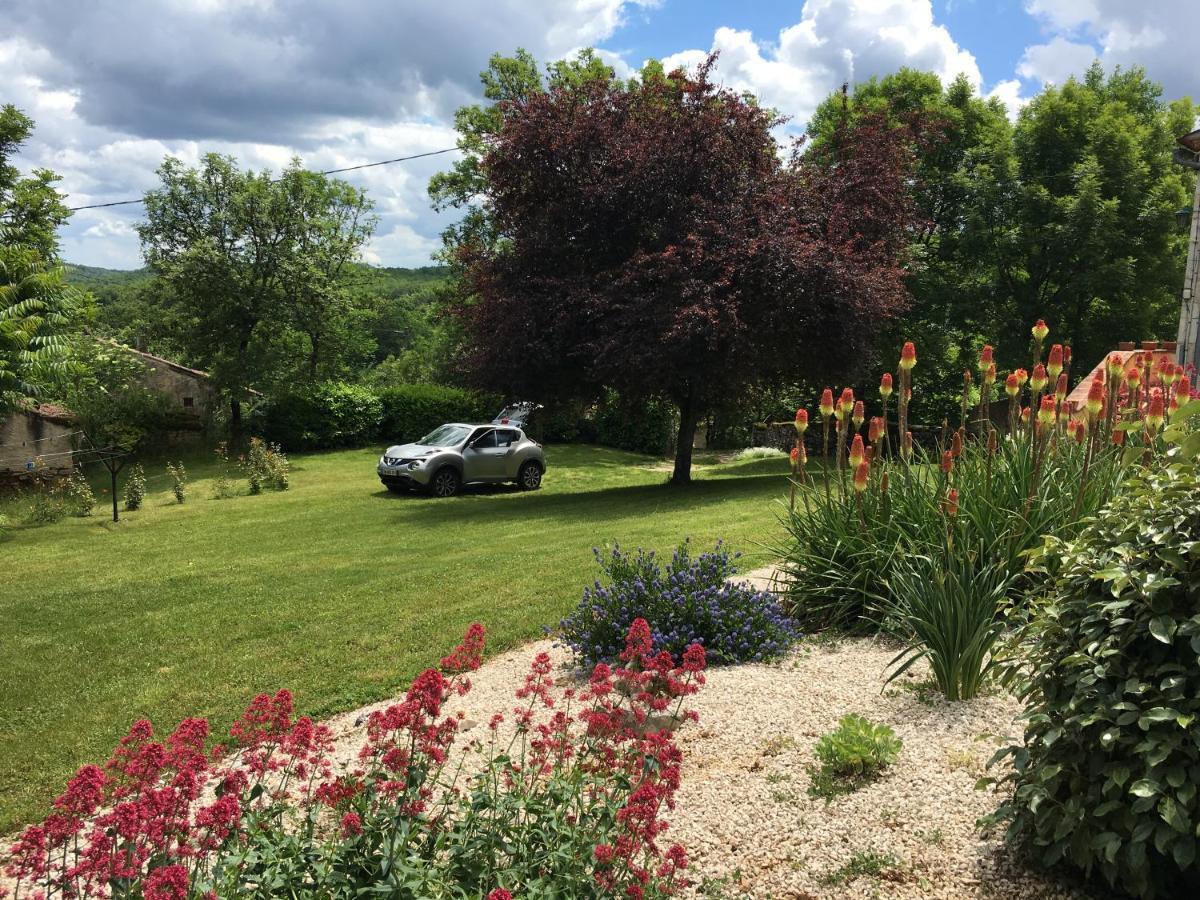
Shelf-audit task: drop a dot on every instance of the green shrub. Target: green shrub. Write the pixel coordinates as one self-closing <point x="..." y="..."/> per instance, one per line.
<point x="321" y="416"/>
<point x="409" y="411"/>
<point x="951" y="605"/>
<point x="78" y="496"/>
<point x="1108" y="775"/>
<point x="135" y="487"/>
<point x="178" y="476"/>
<point x="689" y="601"/>
<point x="852" y="755"/>
<point x="266" y="466"/>
<point x="223" y="487"/>
<point x="641" y="426"/>
<point x="47" y="504"/>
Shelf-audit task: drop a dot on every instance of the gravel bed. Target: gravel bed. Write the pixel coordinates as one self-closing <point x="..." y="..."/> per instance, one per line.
<point x="743" y="811"/>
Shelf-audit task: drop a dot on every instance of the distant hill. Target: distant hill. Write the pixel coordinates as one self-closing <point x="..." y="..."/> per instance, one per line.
<point x="93" y="276"/>
<point x="389" y="280"/>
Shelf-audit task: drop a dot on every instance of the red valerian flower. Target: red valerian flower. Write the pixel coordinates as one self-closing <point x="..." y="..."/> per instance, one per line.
<point x="1040" y="330"/>
<point x="908" y="356"/>
<point x="499" y="894"/>
<point x="468" y="655"/>
<point x="351" y="824"/>
<point x="167" y="883"/>
<point x="885" y="385"/>
<point x="827" y="403"/>
<point x="801" y="420"/>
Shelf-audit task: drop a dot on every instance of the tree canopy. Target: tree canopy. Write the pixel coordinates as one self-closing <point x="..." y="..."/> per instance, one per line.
<point x="38" y="309"/>
<point x="646" y="236"/>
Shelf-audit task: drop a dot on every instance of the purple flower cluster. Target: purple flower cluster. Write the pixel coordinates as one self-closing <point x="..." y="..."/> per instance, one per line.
<point x="690" y="601"/>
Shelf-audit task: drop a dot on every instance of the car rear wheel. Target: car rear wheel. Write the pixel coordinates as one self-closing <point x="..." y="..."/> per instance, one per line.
<point x="444" y="483"/>
<point x="530" y="476"/>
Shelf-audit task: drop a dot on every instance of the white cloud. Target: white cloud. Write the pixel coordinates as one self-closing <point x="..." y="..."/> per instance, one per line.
<point x="1156" y="34"/>
<point x="1009" y="93"/>
<point x="834" y="41"/>
<point x="1055" y="62"/>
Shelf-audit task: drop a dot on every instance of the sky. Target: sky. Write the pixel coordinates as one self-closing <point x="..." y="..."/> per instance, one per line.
<point x="114" y="86"/>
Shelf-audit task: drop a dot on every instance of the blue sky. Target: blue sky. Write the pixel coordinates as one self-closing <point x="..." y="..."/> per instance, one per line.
<point x="116" y="85"/>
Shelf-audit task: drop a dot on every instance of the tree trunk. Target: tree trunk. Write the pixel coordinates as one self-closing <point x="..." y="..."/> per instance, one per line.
<point x="688" y="416"/>
<point x="235" y="423"/>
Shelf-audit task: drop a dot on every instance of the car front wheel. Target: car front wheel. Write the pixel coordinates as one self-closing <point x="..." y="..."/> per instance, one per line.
<point x="530" y="476"/>
<point x="444" y="483"/>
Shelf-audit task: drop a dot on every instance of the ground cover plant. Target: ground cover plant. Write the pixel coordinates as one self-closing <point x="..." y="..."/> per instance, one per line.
<point x="332" y="587"/>
<point x="1106" y="777"/>
<point x="853" y="754"/>
<point x="570" y="804"/>
<point x="689" y="600"/>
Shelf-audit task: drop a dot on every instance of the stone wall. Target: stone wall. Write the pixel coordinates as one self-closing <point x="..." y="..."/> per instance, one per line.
<point x="25" y="436"/>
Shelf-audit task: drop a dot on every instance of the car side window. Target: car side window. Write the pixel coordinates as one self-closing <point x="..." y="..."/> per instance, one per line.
<point x="486" y="442"/>
<point x="505" y="437"/>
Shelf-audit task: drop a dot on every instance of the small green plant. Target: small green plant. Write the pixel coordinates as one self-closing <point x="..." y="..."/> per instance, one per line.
<point x="47" y="503"/>
<point x="135" y="487"/>
<point x="77" y="495"/>
<point x="853" y="754"/>
<point x="223" y="488"/>
<point x="266" y="466"/>
<point x="778" y="744"/>
<point x="178" y="476"/>
<point x="863" y="864"/>
<point x="716" y="888"/>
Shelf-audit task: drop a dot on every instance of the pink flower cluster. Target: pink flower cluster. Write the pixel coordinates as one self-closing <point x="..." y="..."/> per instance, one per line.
<point x="161" y="814"/>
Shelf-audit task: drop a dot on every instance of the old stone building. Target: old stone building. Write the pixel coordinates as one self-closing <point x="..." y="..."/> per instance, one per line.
<point x="37" y="441"/>
<point x="191" y="389"/>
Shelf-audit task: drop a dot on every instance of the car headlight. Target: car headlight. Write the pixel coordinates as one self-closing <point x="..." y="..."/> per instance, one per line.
<point x="416" y="464"/>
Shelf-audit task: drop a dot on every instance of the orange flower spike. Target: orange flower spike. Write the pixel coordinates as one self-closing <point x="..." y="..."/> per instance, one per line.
<point x="908" y="356"/>
<point x="985" y="357"/>
<point x="1012" y="385"/>
<point x="795" y="456"/>
<point x="1118" y="437"/>
<point x="827" y="403"/>
<point x="860" y="414"/>
<point x="1024" y="415"/>
<point x="993" y="442"/>
<point x="885" y="385"/>
<point x="1037" y="383"/>
<point x="1054" y="364"/>
<point x="1066" y="354"/>
<point x="947" y="463"/>
<point x="956" y="445"/>
<point x="1183" y="389"/>
<point x="952" y="502"/>
<point x="884" y="482"/>
<point x="1022" y="377"/>
<point x="876" y="430"/>
<point x="1060" y="389"/>
<point x="1048" y="412"/>
<point x="1040" y="330"/>
<point x="1157" y="411"/>
<point x="1115" y="366"/>
<point x="801" y="421"/>
<point x="989" y="376"/>
<point x="862" y="476"/>
<point x="1095" y="398"/>
<point x="846" y="401"/>
<point x="857" y="452"/>
<point x="906" y="448"/>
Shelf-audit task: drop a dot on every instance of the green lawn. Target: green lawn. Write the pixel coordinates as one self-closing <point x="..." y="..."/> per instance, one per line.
<point x="336" y="590"/>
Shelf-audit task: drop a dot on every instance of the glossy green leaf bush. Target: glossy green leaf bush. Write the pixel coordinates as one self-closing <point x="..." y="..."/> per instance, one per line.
<point x="1108" y="775"/>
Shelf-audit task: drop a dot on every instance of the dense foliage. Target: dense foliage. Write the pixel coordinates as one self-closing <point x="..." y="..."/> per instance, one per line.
<point x="1068" y="212"/>
<point x="645" y="236"/>
<point x="38" y="309"/>
<point x="1107" y="776"/>
<point x="567" y="802"/>
<point x="409" y="411"/>
<point x="689" y="601"/>
<point x="319" y="416"/>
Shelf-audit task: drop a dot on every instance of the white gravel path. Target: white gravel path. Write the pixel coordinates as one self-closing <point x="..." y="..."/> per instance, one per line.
<point x="743" y="811"/>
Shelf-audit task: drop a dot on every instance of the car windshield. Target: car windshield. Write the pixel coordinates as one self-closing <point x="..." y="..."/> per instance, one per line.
<point x="445" y="436"/>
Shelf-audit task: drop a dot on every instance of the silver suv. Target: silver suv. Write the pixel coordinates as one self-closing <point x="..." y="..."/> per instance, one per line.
<point x="456" y="454"/>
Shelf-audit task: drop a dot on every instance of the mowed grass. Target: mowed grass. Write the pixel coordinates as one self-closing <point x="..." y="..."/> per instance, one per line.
<point x="335" y="589"/>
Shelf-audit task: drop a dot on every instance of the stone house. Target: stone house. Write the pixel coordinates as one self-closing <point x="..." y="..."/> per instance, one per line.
<point x="37" y="441"/>
<point x="192" y="389"/>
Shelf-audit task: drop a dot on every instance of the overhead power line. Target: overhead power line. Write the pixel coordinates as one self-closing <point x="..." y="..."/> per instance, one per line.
<point x="370" y="165"/>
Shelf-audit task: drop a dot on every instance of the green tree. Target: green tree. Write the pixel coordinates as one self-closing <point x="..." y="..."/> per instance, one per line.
<point x="38" y="309"/>
<point x="245" y="257"/>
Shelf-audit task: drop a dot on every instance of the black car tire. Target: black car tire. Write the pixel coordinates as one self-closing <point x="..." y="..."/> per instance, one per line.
<point x="397" y="488"/>
<point x="529" y="478"/>
<point x="445" y="482"/>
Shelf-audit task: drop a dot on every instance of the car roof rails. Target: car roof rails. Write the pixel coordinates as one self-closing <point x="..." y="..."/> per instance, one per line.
<point x="516" y="414"/>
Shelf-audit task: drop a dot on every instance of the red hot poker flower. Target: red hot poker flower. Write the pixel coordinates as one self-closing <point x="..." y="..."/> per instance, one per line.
<point x="876" y="430"/>
<point x="1024" y="415"/>
<point x="956" y="445"/>
<point x="908" y="356"/>
<point x="860" y="414"/>
<point x="846" y="401"/>
<point x="1040" y="330"/>
<point x="802" y="420"/>
<point x="1037" y="383"/>
<point x="1048" y="412"/>
<point x="1022" y="377"/>
<point x="862" y="476"/>
<point x="827" y="403"/>
<point x="989" y="374"/>
<point x="952" y="502"/>
<point x="1060" y="389"/>
<point x="857" y="452"/>
<point x="1054" y="364"/>
<point x="1012" y="386"/>
<point x="907" y="446"/>
<point x="1095" y="398"/>
<point x="947" y="463"/>
<point x="885" y="385"/>
<point x="985" y="357"/>
<point x="1157" y="412"/>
